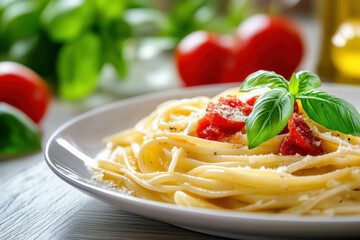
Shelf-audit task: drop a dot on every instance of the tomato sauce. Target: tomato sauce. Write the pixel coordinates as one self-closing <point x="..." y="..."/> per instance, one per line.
<point x="224" y="119"/>
<point x="300" y="139"/>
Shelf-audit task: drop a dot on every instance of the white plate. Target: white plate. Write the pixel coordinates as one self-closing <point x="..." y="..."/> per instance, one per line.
<point x="80" y="139"/>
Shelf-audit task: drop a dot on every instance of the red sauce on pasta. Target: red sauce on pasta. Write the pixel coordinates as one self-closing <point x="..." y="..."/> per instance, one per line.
<point x="300" y="139"/>
<point x="223" y="119"/>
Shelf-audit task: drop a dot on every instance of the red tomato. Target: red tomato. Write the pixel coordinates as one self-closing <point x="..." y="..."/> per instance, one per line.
<point x="265" y="42"/>
<point x="223" y="119"/>
<point x="251" y="101"/>
<point x="201" y="57"/>
<point x="24" y="89"/>
<point x="300" y="140"/>
<point x="205" y="129"/>
<point x="222" y="113"/>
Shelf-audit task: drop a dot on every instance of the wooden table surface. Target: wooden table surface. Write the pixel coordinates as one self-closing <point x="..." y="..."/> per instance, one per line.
<point x="36" y="204"/>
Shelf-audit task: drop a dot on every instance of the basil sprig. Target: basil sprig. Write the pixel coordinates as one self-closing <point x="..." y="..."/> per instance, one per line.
<point x="273" y="109"/>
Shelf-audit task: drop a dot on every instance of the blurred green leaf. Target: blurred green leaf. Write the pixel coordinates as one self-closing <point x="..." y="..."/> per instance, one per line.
<point x="65" y="20"/>
<point x="139" y="3"/>
<point x="21" y="48"/>
<point x="38" y="53"/>
<point x="116" y="58"/>
<point x="206" y="13"/>
<point x="18" y="133"/>
<point x="5" y="3"/>
<point x="110" y="9"/>
<point x="238" y="11"/>
<point x="78" y="66"/>
<point x="187" y="16"/>
<point x="118" y="29"/>
<point x="20" y="19"/>
<point x="114" y="34"/>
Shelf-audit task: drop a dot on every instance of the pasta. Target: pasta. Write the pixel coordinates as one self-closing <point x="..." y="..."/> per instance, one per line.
<point x="162" y="159"/>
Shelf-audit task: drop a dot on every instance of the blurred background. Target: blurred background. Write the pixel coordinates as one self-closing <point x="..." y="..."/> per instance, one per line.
<point x="129" y="47"/>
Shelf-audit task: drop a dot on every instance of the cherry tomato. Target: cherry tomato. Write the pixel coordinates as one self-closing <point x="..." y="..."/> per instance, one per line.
<point x="265" y="42"/>
<point x="201" y="57"/>
<point x="24" y="89"/>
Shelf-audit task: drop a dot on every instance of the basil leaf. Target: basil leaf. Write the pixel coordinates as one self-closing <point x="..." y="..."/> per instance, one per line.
<point x="78" y="66"/>
<point x="65" y="20"/>
<point x="18" y="133"/>
<point x="269" y="117"/>
<point x="294" y="85"/>
<point x="262" y="79"/>
<point x="114" y="33"/>
<point x="331" y="112"/>
<point x="20" y="20"/>
<point x="307" y="81"/>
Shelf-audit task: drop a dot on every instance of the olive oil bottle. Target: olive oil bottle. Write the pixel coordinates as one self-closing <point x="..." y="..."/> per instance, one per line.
<point x="340" y="48"/>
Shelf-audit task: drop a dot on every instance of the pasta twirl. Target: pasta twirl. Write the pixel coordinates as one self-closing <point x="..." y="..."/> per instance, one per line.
<point x="162" y="159"/>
